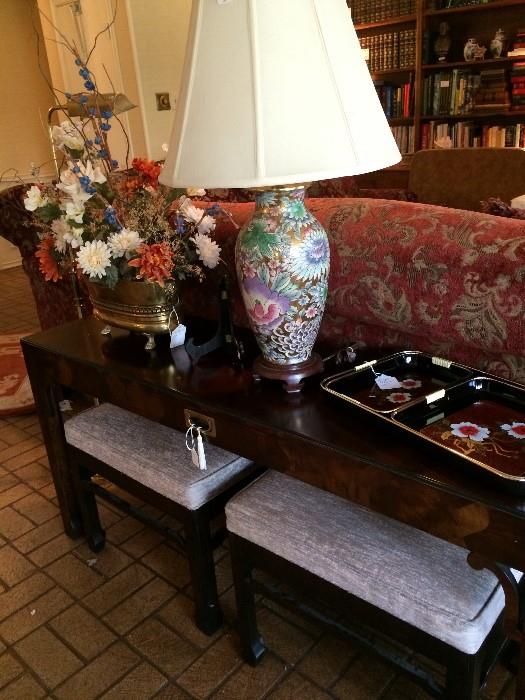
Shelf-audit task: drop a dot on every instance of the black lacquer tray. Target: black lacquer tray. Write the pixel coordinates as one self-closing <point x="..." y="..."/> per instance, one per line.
<point x="418" y="373"/>
<point x="479" y="421"/>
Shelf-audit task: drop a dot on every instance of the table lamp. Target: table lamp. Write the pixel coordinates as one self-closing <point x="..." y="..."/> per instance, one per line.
<point x="274" y="95"/>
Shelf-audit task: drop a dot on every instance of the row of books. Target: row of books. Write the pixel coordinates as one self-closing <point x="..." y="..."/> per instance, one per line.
<point x="517" y="87"/>
<point x="492" y="93"/>
<point x="397" y="100"/>
<point x="405" y="138"/>
<point x="449" y="92"/>
<point x="364" y="11"/>
<point x="444" y="4"/>
<point x="471" y="135"/>
<point x="459" y="91"/>
<point x="390" y="50"/>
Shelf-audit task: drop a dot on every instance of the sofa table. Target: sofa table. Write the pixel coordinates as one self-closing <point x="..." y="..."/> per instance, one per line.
<point x="309" y="436"/>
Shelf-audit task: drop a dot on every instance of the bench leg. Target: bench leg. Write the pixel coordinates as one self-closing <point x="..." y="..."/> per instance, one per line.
<point x="208" y="614"/>
<point x="95" y="534"/>
<point x="463" y="677"/>
<point x="253" y="647"/>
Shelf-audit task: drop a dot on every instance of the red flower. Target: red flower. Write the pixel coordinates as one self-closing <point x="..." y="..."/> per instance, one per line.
<point x="155" y="262"/>
<point x="46" y="261"/>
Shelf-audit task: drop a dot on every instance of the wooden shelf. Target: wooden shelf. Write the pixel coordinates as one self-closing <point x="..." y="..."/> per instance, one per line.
<point x="473" y="8"/>
<point x="400" y="121"/>
<point x="491" y="62"/>
<point x="391" y="71"/>
<point x="475" y="116"/>
<point x="390" y="22"/>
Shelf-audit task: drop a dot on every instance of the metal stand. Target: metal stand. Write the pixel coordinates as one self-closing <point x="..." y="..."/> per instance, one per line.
<point x="224" y="337"/>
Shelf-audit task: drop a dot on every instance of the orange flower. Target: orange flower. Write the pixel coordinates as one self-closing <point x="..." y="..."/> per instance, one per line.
<point x="46" y="262"/>
<point x="155" y="262"/>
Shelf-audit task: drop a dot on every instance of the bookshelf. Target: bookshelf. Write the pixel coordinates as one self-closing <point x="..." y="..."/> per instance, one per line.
<point x="480" y="102"/>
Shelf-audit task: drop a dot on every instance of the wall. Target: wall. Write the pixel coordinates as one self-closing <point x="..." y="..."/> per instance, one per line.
<point x="158" y="32"/>
<point x="24" y="101"/>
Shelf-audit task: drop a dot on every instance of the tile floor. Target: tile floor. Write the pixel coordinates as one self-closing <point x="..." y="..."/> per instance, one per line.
<point x="79" y="626"/>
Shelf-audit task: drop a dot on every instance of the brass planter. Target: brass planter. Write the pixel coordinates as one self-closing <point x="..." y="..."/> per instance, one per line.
<point x="136" y="306"/>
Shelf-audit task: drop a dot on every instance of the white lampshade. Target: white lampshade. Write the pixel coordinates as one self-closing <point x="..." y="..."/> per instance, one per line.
<point x="275" y="92"/>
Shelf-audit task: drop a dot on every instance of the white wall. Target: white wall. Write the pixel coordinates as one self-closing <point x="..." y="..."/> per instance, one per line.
<point x="158" y="31"/>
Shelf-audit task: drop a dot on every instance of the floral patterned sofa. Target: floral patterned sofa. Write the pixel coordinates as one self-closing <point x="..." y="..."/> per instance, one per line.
<point x="415" y="276"/>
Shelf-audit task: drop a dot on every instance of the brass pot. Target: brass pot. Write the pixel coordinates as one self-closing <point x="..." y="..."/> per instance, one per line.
<point x="137" y="306"/>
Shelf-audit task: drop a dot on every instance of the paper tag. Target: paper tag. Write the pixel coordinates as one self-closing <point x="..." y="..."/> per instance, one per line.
<point x="444" y="83"/>
<point x="178" y="336"/>
<point x="195" y="457"/>
<point x="385" y="381"/>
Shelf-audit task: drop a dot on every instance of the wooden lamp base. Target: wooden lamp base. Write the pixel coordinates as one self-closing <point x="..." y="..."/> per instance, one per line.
<point x="291" y="375"/>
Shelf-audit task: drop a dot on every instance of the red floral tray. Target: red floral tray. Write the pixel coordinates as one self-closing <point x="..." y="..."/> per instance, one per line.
<point x="478" y="420"/>
<point x="481" y="420"/>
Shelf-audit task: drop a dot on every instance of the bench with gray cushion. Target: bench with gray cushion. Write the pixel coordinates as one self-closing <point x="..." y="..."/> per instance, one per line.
<point x="153" y="463"/>
<point x="383" y="574"/>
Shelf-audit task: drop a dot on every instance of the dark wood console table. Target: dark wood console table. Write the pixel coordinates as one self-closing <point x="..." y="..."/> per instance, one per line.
<point x="308" y="436"/>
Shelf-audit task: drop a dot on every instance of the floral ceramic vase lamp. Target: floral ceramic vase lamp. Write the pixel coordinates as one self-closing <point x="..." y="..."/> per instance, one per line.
<point x="274" y="95"/>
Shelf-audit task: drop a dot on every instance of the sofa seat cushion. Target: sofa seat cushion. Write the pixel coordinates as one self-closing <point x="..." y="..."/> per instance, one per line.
<point x="408" y="573"/>
<point x="154" y="455"/>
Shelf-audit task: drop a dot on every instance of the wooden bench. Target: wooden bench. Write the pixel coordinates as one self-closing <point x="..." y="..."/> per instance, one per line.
<point x="152" y="462"/>
<point x="381" y="574"/>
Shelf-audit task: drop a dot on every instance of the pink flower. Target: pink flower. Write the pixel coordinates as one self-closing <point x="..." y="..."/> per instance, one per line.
<point x="471" y="431"/>
<point x="248" y="270"/>
<point x="265" y="307"/>
<point x="410" y="383"/>
<point x="399" y="397"/>
<point x="311" y="312"/>
<point x="517" y="430"/>
<point x="264" y="316"/>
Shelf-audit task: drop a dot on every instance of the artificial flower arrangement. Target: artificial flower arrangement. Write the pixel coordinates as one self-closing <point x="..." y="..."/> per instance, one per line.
<point x="109" y="224"/>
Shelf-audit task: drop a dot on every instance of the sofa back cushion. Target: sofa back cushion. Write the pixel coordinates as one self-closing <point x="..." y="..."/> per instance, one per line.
<point x="463" y="177"/>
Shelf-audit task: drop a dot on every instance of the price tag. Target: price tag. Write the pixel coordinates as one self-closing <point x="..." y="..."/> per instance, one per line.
<point x="385" y="381"/>
<point x="178" y="336"/>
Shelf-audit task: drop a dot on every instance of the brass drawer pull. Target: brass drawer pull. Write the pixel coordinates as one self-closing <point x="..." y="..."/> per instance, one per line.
<point x="205" y="423"/>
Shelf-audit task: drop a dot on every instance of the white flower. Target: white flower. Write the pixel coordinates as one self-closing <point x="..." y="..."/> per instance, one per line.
<point x="95" y="174"/>
<point x="206" y="225"/>
<point x="189" y="211"/>
<point x="93" y="258"/>
<point x="74" y="237"/>
<point x="516" y="430"/>
<point x="469" y="430"/>
<point x="75" y="211"/>
<point x="64" y="233"/>
<point x="123" y="241"/>
<point x="69" y="183"/>
<point x="208" y="250"/>
<point x="68" y="135"/>
<point x="195" y="192"/>
<point x="34" y="199"/>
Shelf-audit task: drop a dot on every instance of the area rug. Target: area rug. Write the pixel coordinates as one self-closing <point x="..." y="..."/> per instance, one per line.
<point x="15" y="391"/>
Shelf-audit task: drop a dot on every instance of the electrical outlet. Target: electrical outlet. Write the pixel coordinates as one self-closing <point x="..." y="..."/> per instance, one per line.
<point x="163" y="101"/>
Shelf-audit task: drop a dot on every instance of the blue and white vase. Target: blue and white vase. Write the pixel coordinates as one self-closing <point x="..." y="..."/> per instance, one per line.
<point x="283" y="258"/>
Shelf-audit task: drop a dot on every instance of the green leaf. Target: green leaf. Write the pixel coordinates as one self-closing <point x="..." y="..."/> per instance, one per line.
<point x="257" y="237"/>
<point x="48" y="212"/>
<point x="174" y="194"/>
<point x="111" y="277"/>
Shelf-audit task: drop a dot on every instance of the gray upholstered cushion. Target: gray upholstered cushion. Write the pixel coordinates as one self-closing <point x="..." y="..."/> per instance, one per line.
<point x="416" y="577"/>
<point x="154" y="455"/>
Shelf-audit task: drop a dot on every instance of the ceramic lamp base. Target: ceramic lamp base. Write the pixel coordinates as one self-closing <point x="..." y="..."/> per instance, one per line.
<point x="291" y="375"/>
